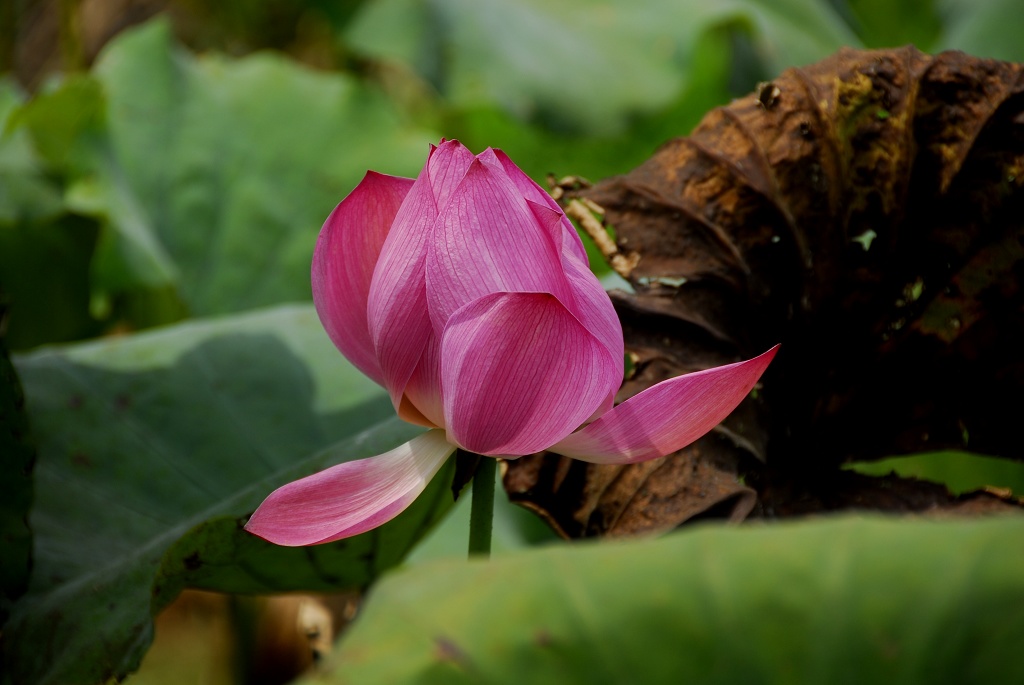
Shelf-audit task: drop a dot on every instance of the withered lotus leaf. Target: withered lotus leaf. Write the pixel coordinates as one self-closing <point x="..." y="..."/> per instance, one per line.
<point x="867" y="212"/>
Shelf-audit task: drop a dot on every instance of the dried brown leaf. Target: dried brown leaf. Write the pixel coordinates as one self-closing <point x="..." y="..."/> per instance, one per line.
<point x="867" y="212"/>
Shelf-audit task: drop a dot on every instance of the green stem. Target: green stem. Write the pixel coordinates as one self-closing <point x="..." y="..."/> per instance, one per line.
<point x="481" y="514"/>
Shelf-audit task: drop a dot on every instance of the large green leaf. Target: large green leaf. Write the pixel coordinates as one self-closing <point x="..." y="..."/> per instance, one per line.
<point x="234" y="164"/>
<point x="832" y="601"/>
<point x="580" y="66"/>
<point x="153" y="449"/>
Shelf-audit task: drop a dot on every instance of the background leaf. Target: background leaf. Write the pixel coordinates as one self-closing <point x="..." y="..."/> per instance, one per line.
<point x="961" y="472"/>
<point x="68" y="127"/>
<point x="24" y="193"/>
<point x="889" y="23"/>
<point x="576" y="67"/>
<point x="840" y="600"/>
<point x="253" y="153"/>
<point x="168" y="185"/>
<point x="153" y="450"/>
<point x="986" y="29"/>
<point x="45" y="252"/>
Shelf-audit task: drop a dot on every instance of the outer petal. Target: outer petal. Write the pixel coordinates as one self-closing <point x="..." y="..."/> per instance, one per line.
<point x="591" y="303"/>
<point x="350" y="498"/>
<point x="594" y="310"/>
<point x="422" y="401"/>
<point x="344" y="259"/>
<point x="519" y="372"/>
<point x="488" y="241"/>
<point x="588" y="300"/>
<point x="666" y="417"/>
<point x="533" y="192"/>
<point x="397" y="308"/>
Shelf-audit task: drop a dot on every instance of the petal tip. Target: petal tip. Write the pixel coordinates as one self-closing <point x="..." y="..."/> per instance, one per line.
<point x="668" y="416"/>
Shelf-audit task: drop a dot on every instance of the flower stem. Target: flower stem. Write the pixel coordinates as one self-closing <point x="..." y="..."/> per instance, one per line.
<point x="481" y="514"/>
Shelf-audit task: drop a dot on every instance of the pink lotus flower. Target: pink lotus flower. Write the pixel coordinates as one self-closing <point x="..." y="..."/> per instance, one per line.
<point x="466" y="293"/>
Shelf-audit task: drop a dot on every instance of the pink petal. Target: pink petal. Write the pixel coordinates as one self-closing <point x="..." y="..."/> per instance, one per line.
<point x="488" y="240"/>
<point x="422" y="402"/>
<point x="589" y="301"/>
<point x="592" y="305"/>
<point x="446" y="167"/>
<point x="666" y="417"/>
<point x="343" y="262"/>
<point x="533" y="192"/>
<point x="397" y="308"/>
<point x="519" y="372"/>
<point x="593" y="308"/>
<point x="352" y="497"/>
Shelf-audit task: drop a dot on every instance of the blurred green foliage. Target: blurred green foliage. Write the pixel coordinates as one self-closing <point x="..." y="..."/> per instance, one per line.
<point x="163" y="185"/>
<point x="191" y="184"/>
